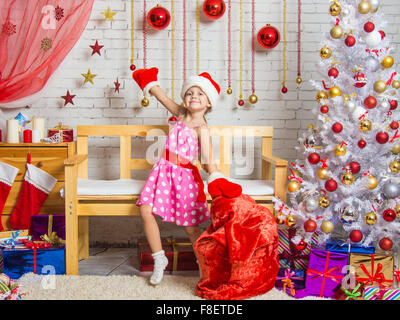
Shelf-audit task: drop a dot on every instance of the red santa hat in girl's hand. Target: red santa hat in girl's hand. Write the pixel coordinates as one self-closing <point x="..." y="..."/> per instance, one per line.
<point x="205" y="83"/>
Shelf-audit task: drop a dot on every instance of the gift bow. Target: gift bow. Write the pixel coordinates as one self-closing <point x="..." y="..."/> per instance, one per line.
<point x="35" y="246"/>
<point x="380" y="293"/>
<point x="287" y="280"/>
<point x="12" y="242"/>
<point x="371" y="278"/>
<point x="173" y="243"/>
<point x="60" y="127"/>
<point x="352" y="294"/>
<point x="52" y="239"/>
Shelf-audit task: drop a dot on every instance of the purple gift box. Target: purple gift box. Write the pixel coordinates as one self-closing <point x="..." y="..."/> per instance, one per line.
<point x="290" y="280"/>
<point x="325" y="273"/>
<point x="45" y="224"/>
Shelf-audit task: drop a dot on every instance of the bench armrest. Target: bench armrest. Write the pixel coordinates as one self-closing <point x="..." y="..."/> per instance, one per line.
<point x="280" y="174"/>
<point x="75" y="160"/>
<point x="275" y="160"/>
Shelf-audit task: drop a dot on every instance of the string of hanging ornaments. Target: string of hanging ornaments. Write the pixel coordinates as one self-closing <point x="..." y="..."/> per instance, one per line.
<point x="299" y="79"/>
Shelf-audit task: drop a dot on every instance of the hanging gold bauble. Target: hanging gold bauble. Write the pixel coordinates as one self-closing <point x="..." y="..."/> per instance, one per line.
<point x="371" y="218"/>
<point x="396" y="149"/>
<point x="299" y="80"/>
<point x="348" y="178"/>
<point x="365" y="125"/>
<point x="323" y="173"/>
<point x="326" y="226"/>
<point x="396" y="84"/>
<point x="253" y="98"/>
<point x="364" y="7"/>
<point x="387" y="62"/>
<point x="372" y="182"/>
<point x="325" y="52"/>
<point x="380" y="86"/>
<point x="334" y="92"/>
<point x="321" y="95"/>
<point x="340" y="150"/>
<point x="290" y="220"/>
<point x="395" y="166"/>
<point x="324" y="201"/>
<point x="145" y="102"/>
<point x="293" y="186"/>
<point x="336" y="32"/>
<point x="397" y="210"/>
<point x="229" y="91"/>
<point x="335" y="9"/>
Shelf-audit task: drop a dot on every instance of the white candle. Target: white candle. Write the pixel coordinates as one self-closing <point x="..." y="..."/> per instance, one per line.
<point x="38" y="124"/>
<point x="12" y="131"/>
<point x="35" y="136"/>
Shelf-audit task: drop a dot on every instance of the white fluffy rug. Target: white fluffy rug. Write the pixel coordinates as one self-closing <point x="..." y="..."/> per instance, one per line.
<point x="118" y="287"/>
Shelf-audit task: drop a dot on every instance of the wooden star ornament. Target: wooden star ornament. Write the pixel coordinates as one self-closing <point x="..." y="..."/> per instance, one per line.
<point x="88" y="77"/>
<point x="109" y="15"/>
<point x="68" y="98"/>
<point x="96" y="48"/>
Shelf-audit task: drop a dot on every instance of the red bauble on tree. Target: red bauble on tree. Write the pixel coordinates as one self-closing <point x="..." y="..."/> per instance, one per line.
<point x="362" y="144"/>
<point x="310" y="225"/>
<point x="394" y="125"/>
<point x="356" y="235"/>
<point x="354" y="167"/>
<point x="337" y="127"/>
<point x="158" y="18"/>
<point x="386" y="244"/>
<point x="331" y="185"/>
<point x="389" y="215"/>
<point x="350" y="41"/>
<point x="333" y="72"/>
<point x="301" y="245"/>
<point x="383" y="35"/>
<point x="369" y="27"/>
<point x="313" y="158"/>
<point x="393" y="104"/>
<point x="382" y="137"/>
<point x="268" y="37"/>
<point x="324" y="109"/>
<point x="214" y="9"/>
<point x="370" y="102"/>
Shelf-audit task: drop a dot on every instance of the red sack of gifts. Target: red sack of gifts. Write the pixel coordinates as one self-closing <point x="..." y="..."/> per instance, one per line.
<point x="238" y="253"/>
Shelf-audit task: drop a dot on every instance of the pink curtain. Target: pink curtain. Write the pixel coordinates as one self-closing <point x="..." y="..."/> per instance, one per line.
<point x="35" y="37"/>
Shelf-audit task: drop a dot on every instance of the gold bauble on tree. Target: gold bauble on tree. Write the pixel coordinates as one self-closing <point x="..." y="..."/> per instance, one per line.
<point x="293" y="186"/>
<point x="336" y="32"/>
<point x="365" y="125"/>
<point x="253" y="98"/>
<point x="321" y="95"/>
<point x="395" y="166"/>
<point x="348" y="178"/>
<point x="396" y="149"/>
<point x="371" y="218"/>
<point x="397" y="210"/>
<point x="325" y="52"/>
<point x="335" y="9"/>
<point x="323" y="173"/>
<point x="290" y="220"/>
<point x="327" y="226"/>
<point x="364" y="7"/>
<point x="324" y="201"/>
<point x="372" y="182"/>
<point x="145" y="102"/>
<point x="229" y="91"/>
<point x="396" y="84"/>
<point x="387" y="62"/>
<point x="299" y="80"/>
<point x="340" y="150"/>
<point x="335" y="92"/>
<point x="380" y="86"/>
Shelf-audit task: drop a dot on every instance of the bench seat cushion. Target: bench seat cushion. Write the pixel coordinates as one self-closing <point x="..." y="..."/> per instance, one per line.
<point x="90" y="187"/>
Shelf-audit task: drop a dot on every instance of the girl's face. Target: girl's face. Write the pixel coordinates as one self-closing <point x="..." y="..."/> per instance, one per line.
<point x="196" y="99"/>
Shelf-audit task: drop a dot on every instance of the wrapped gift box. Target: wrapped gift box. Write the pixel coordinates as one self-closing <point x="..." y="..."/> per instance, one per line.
<point x="51" y="225"/>
<point x="67" y="134"/>
<point x="1" y="260"/>
<point x="343" y="247"/>
<point x="290" y="280"/>
<point x="179" y="252"/>
<point x="373" y="269"/>
<point x="17" y="262"/>
<point x="380" y="293"/>
<point x="289" y="256"/>
<point x="355" y="293"/>
<point x="325" y="272"/>
<point x="14" y="239"/>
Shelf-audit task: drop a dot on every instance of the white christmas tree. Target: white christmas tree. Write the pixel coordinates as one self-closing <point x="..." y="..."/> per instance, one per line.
<point x="349" y="185"/>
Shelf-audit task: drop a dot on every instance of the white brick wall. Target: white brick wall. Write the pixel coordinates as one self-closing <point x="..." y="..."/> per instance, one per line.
<point x="98" y="104"/>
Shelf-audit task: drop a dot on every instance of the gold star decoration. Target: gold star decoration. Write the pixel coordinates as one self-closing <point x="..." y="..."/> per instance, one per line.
<point x="109" y="15"/>
<point x="88" y="77"/>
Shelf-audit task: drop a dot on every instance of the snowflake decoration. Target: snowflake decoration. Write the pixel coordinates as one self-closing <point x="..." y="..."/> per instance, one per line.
<point x="9" y="28"/>
<point x="46" y="44"/>
<point x="59" y="13"/>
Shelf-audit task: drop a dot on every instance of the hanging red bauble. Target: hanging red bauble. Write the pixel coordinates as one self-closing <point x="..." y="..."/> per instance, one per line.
<point x="356" y="235"/>
<point x="268" y="37"/>
<point x="393" y="104"/>
<point x="333" y="72"/>
<point x="284" y="90"/>
<point x="360" y="80"/>
<point x="324" y="109"/>
<point x="370" y="102"/>
<point x="389" y="215"/>
<point x="362" y="144"/>
<point x="313" y="158"/>
<point x="383" y="35"/>
<point x="214" y="9"/>
<point x="394" y="125"/>
<point x="350" y="41"/>
<point x="337" y="127"/>
<point x="172" y="120"/>
<point x="241" y="102"/>
<point x="369" y="27"/>
<point x="132" y="67"/>
<point x="301" y="245"/>
<point x="386" y="244"/>
<point x="310" y="225"/>
<point x="354" y="167"/>
<point x="382" y="137"/>
<point x="158" y="18"/>
<point x="331" y="185"/>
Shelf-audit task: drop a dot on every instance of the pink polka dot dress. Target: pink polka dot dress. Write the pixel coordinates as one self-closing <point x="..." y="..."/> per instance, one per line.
<point x="171" y="189"/>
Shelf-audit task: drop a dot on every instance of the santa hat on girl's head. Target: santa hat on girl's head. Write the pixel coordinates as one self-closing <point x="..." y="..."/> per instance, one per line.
<point x="206" y="83"/>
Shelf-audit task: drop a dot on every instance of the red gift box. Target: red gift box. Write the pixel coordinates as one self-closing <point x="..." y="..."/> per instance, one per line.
<point x="67" y="134"/>
<point x="179" y="252"/>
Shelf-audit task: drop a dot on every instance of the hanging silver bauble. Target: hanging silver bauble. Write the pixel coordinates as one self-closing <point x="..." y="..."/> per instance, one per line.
<point x="374" y="5"/>
<point x="311" y="140"/>
<point x="380" y="199"/>
<point x="385" y="106"/>
<point x="348" y="214"/>
<point x="391" y="190"/>
<point x="373" y="38"/>
<point x="372" y="64"/>
<point x="311" y="204"/>
<point x="350" y="105"/>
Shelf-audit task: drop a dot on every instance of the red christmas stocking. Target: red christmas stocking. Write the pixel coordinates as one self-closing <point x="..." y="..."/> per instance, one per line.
<point x="35" y="189"/>
<point x="7" y="177"/>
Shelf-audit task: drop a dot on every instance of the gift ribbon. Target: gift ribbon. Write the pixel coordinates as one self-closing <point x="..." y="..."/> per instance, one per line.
<point x="376" y="276"/>
<point x="173" y="243"/>
<point x="287" y="281"/>
<point x="12" y="242"/>
<point x="352" y="294"/>
<point x="397" y="275"/>
<point x="326" y="274"/>
<point x="380" y="293"/>
<point x="34" y="246"/>
<point x="51" y="237"/>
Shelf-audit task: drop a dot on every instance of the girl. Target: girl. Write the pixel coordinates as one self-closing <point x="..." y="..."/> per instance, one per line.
<point x="174" y="189"/>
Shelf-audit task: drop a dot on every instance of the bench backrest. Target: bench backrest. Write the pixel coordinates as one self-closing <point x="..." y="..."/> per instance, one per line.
<point x="126" y="132"/>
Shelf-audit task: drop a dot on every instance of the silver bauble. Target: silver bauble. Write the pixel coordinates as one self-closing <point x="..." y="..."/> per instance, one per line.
<point x="391" y="190"/>
<point x="373" y="38"/>
<point x="385" y="105"/>
<point x="374" y="4"/>
<point x="348" y="214"/>
<point x="310" y="140"/>
<point x="350" y="105"/>
<point x="372" y="64"/>
<point x="311" y="204"/>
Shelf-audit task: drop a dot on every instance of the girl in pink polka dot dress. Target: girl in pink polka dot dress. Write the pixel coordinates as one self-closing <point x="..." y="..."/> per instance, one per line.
<point x="174" y="189"/>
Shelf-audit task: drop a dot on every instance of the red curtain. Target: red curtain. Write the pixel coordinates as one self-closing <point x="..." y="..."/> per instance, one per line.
<point x="35" y="37"/>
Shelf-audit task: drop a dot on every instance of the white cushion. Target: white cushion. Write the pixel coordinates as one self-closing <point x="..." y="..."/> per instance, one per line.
<point x="131" y="186"/>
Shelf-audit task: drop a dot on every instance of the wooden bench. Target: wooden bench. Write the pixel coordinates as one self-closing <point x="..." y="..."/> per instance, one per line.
<point x="82" y="199"/>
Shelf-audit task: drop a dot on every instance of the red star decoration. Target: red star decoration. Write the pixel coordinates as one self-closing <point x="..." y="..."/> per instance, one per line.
<point x="96" y="48"/>
<point x="117" y="84"/>
<point x="68" y="98"/>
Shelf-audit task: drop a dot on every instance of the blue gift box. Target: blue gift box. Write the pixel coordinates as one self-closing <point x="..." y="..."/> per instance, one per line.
<point x="20" y="261"/>
<point x="343" y="247"/>
<point x="1" y="260"/>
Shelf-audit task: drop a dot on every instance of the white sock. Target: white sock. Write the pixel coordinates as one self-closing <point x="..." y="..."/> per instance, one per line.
<point x="160" y="263"/>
